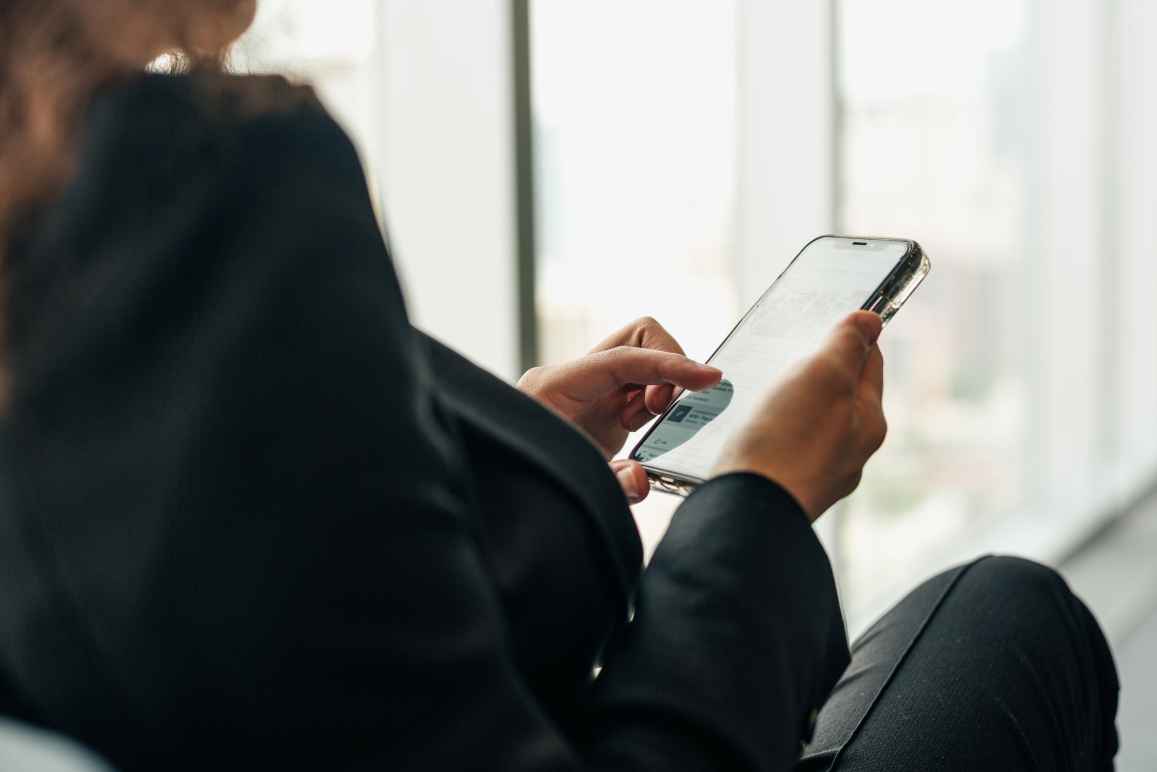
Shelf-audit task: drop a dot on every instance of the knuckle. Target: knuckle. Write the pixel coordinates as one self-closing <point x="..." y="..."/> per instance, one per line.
<point x="855" y="479"/>
<point x="531" y="377"/>
<point x="852" y="335"/>
<point x="873" y="429"/>
<point x="651" y="334"/>
<point x="817" y="369"/>
<point x="830" y="374"/>
<point x="848" y="484"/>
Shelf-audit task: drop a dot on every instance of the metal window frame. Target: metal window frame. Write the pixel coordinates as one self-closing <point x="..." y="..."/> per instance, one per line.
<point x="526" y="257"/>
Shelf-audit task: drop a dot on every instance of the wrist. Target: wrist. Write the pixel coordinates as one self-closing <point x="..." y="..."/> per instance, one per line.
<point x="809" y="504"/>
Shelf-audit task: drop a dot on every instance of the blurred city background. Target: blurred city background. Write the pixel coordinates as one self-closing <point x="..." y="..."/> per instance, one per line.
<point x="550" y="170"/>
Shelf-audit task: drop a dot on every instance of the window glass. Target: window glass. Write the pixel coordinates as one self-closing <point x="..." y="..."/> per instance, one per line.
<point x="934" y="146"/>
<point x="932" y="138"/>
<point x="634" y="120"/>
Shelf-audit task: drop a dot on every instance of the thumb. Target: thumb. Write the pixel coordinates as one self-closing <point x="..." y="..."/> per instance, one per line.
<point x="853" y="339"/>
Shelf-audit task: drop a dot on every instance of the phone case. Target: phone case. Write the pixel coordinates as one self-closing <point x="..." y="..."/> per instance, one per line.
<point x="891" y="300"/>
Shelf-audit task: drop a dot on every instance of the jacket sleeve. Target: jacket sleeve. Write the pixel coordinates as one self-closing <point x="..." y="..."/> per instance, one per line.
<point x="364" y="631"/>
<point x="737" y="637"/>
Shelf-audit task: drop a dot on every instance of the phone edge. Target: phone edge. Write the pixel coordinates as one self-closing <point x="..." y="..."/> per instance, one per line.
<point x="681" y="485"/>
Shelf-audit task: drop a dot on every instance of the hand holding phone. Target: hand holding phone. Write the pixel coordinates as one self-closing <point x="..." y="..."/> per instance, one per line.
<point x="816" y="430"/>
<point x="830" y="278"/>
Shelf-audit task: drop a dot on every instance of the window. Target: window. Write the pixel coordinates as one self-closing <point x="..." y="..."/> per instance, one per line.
<point x="942" y="152"/>
<point x="686" y="150"/>
<point x="634" y="121"/>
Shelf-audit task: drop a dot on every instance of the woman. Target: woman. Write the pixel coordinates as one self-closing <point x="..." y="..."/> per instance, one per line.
<point x="253" y="519"/>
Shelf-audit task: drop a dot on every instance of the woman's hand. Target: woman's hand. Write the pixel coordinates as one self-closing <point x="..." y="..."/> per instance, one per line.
<point x="819" y="427"/>
<point x="622" y="384"/>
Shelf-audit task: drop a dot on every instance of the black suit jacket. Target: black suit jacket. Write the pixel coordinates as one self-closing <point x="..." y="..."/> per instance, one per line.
<point x="251" y="518"/>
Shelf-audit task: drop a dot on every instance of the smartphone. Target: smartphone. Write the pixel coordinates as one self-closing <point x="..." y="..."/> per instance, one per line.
<point x="831" y="277"/>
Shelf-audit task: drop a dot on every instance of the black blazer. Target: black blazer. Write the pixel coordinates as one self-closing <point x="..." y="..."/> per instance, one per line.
<point x="251" y="518"/>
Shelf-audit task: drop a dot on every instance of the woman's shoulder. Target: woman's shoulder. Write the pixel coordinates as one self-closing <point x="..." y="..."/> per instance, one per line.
<point x="155" y="151"/>
<point x="185" y="143"/>
<point x="174" y="171"/>
<point x="212" y="97"/>
<point x="158" y="117"/>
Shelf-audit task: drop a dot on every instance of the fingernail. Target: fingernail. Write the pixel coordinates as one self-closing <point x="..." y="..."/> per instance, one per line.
<point x="629" y="482"/>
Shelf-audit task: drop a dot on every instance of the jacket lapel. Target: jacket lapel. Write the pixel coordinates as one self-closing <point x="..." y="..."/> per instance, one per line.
<point x="546" y="441"/>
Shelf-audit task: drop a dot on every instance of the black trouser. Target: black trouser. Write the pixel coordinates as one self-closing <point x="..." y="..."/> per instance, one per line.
<point x="995" y="665"/>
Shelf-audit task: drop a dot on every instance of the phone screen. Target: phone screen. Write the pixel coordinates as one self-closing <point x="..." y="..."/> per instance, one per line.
<point x="830" y="279"/>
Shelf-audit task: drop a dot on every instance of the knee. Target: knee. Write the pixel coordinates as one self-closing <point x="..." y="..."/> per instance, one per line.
<point x="1038" y="613"/>
<point x="1019" y="579"/>
<point x="1020" y="593"/>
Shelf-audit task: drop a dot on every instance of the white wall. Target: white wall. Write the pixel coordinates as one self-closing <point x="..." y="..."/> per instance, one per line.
<point x="1136" y="186"/>
<point x="785" y="144"/>
<point x="447" y="170"/>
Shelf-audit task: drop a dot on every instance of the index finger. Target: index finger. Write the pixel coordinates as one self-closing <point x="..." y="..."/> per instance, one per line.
<point x="644" y="332"/>
<point x="601" y="373"/>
